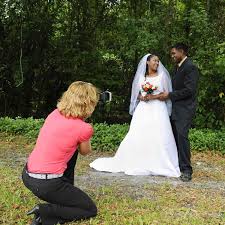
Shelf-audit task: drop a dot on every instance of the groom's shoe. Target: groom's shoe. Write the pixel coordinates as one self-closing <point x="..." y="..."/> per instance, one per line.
<point x="185" y="177"/>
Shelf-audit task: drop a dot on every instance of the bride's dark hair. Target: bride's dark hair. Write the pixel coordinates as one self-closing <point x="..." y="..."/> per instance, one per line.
<point x="148" y="59"/>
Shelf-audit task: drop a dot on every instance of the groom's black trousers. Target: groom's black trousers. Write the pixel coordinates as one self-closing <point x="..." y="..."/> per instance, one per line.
<point x="65" y="202"/>
<point x="180" y="131"/>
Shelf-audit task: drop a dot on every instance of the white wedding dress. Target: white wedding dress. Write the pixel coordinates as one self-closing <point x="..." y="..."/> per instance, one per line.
<point x="149" y="147"/>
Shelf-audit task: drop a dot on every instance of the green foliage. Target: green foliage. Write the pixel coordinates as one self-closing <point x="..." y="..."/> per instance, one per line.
<point x="206" y="139"/>
<point x="28" y="127"/>
<point x="108" y="137"/>
<point x="209" y="56"/>
<point x="46" y="45"/>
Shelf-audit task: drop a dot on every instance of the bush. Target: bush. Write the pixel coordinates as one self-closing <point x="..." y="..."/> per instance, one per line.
<point x="28" y="127"/>
<point x="206" y="139"/>
<point x="108" y="137"/>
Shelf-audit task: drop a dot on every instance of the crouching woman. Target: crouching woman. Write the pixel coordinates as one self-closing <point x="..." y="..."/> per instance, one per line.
<point x="49" y="171"/>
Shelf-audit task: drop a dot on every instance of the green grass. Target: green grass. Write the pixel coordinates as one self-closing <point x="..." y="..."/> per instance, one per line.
<point x="168" y="205"/>
<point x="164" y="204"/>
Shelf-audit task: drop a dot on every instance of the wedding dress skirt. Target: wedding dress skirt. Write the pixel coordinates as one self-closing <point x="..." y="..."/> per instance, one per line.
<point x="148" y="148"/>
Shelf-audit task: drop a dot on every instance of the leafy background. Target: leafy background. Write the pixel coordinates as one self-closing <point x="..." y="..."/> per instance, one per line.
<point x="46" y="45"/>
<point x="108" y="137"/>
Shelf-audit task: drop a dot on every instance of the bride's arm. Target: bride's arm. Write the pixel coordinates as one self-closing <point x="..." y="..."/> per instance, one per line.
<point x="152" y="97"/>
<point x="148" y="97"/>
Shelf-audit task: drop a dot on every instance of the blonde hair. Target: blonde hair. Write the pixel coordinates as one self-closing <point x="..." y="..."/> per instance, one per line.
<point x="79" y="100"/>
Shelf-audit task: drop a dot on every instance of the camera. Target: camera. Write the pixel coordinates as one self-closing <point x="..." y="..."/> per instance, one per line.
<point x="105" y="96"/>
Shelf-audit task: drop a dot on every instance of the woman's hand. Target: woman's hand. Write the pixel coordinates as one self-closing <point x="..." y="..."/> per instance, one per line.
<point x="152" y="97"/>
<point x="145" y="98"/>
<point x="164" y="96"/>
<point x="149" y="97"/>
<point x="141" y="98"/>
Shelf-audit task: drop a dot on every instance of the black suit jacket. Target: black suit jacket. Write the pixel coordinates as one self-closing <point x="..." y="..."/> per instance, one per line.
<point x="183" y="96"/>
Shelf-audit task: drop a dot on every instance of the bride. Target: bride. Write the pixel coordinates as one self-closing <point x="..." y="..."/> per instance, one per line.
<point x="149" y="147"/>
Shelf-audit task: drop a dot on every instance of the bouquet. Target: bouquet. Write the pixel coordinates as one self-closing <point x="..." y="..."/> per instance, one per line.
<point x="147" y="88"/>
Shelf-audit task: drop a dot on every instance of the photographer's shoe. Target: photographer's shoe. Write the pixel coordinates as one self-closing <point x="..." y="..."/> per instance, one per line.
<point x="36" y="221"/>
<point x="35" y="211"/>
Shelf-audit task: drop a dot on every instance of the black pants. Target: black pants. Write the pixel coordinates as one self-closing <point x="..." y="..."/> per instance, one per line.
<point x="69" y="172"/>
<point x="65" y="202"/>
<point x="180" y="131"/>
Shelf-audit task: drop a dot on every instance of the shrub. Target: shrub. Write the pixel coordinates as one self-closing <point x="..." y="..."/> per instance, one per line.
<point x="28" y="127"/>
<point x="206" y="139"/>
<point x="108" y="137"/>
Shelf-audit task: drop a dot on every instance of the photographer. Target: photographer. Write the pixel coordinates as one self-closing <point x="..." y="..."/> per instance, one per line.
<point x="49" y="172"/>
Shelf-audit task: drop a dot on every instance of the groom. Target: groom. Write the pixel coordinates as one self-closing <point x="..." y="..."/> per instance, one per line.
<point x="183" y="97"/>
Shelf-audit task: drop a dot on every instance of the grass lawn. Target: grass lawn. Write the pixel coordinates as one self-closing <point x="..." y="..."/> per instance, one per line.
<point x="201" y="201"/>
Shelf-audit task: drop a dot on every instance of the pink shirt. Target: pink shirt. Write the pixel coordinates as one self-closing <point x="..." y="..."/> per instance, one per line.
<point x="57" y="141"/>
